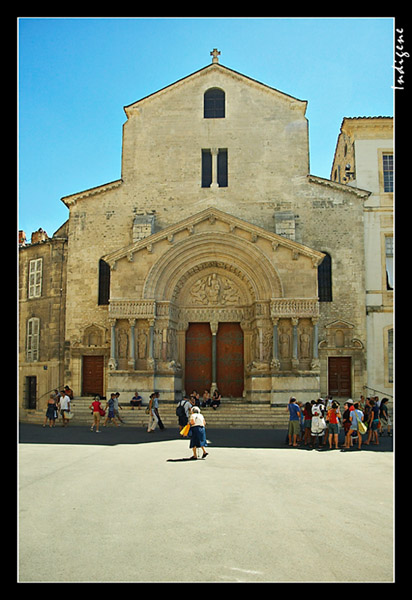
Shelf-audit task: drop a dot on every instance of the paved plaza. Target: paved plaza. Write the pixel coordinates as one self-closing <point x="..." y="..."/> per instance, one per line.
<point x="127" y="506"/>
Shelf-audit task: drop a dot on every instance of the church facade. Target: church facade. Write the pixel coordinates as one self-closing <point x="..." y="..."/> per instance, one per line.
<point x="216" y="260"/>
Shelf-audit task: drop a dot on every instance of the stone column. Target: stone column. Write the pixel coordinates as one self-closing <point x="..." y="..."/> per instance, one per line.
<point x="150" y="360"/>
<point x="315" y="364"/>
<point x="214" y="327"/>
<point x="112" y="360"/>
<point x="275" y="349"/>
<point x="132" y="355"/>
<point x="295" y="360"/>
<point x="214" y="152"/>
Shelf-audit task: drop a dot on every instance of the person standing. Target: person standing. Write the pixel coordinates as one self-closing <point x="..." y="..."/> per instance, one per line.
<point x="318" y="424"/>
<point x="333" y="424"/>
<point x="307" y="412"/>
<point x="384" y="417"/>
<point x="50" y="412"/>
<point x="64" y="404"/>
<point x="294" y="421"/>
<point x="373" y="423"/>
<point x="356" y="415"/>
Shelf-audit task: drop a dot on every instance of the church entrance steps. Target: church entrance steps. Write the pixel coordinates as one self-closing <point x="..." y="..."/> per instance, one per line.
<point x="233" y="413"/>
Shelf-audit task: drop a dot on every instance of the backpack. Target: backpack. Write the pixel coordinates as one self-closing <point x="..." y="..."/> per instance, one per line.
<point x="180" y="409"/>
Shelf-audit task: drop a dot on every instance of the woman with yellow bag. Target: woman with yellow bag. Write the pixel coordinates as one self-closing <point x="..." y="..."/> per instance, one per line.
<point x="197" y="427"/>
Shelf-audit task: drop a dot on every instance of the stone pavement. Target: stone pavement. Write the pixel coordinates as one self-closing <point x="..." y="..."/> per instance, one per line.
<point x="126" y="506"/>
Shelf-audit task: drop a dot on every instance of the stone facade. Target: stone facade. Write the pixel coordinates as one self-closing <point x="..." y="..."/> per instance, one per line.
<point x="246" y="252"/>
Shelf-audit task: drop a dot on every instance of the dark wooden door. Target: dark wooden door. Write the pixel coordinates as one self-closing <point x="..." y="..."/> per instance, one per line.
<point x="198" y="363"/>
<point x="229" y="368"/>
<point x="339" y="376"/>
<point x="92" y="375"/>
<point x="31" y="391"/>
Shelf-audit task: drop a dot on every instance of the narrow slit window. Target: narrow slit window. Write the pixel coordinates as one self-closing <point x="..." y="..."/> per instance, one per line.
<point x="325" y="279"/>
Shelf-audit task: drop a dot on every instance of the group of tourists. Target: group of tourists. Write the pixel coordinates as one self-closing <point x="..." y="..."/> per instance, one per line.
<point x="318" y="423"/>
<point x="59" y="404"/>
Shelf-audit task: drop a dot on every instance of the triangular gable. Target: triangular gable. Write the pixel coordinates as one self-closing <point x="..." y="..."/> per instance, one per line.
<point x="212" y="214"/>
<point x="216" y="67"/>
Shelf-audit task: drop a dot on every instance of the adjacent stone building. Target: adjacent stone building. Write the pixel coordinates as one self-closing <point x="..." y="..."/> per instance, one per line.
<point x="217" y="259"/>
<point x="364" y="158"/>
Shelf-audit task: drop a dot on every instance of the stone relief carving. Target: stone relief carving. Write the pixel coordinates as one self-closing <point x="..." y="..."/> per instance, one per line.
<point x="214" y="290"/>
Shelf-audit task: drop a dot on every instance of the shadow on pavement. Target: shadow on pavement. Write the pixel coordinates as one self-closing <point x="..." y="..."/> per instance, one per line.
<point x="218" y="438"/>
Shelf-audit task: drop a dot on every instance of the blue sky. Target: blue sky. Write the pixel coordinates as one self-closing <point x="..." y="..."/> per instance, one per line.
<point x="76" y="74"/>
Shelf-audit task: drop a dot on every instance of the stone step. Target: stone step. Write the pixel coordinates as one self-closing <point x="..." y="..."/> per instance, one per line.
<point x="233" y="414"/>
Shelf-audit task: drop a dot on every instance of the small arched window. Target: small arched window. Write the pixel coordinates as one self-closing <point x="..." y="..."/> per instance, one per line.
<point x="325" y="279"/>
<point x="214" y="104"/>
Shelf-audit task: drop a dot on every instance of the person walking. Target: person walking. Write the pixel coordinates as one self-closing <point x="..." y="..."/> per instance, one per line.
<point x="117" y="407"/>
<point x="110" y="411"/>
<point x="183" y="412"/>
<point x="96" y="408"/>
<point x="294" y="422"/>
<point x="153" y="419"/>
<point x="198" y="429"/>
<point x="156" y="409"/>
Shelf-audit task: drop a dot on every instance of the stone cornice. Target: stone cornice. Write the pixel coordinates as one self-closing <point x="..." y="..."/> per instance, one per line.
<point x="73" y="198"/>
<point x="339" y="186"/>
<point x="213" y="214"/>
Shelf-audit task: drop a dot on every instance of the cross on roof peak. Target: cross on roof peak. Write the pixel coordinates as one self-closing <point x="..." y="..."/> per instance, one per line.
<point x="215" y="53"/>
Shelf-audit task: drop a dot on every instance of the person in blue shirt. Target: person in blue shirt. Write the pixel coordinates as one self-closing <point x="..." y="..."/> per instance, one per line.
<point x="294" y="422"/>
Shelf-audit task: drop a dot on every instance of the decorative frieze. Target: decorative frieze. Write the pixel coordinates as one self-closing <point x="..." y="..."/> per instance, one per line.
<point x="138" y="309"/>
<point x="294" y="307"/>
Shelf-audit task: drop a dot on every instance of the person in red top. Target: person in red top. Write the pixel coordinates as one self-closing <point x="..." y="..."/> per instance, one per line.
<point x="97" y="409"/>
<point x="333" y="424"/>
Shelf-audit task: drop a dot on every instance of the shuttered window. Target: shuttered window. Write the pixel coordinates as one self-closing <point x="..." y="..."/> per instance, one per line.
<point x="35" y="277"/>
<point x="32" y="339"/>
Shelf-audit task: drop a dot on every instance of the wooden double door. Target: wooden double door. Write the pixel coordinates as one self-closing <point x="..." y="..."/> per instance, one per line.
<point x="222" y="358"/>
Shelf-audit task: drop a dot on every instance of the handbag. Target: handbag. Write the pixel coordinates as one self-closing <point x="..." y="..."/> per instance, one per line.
<point x="185" y="430"/>
<point x="68" y="414"/>
<point x="362" y="427"/>
<point x="102" y="412"/>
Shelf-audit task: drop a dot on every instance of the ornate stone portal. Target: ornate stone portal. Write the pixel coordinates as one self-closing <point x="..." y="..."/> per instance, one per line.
<point x="215" y="269"/>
